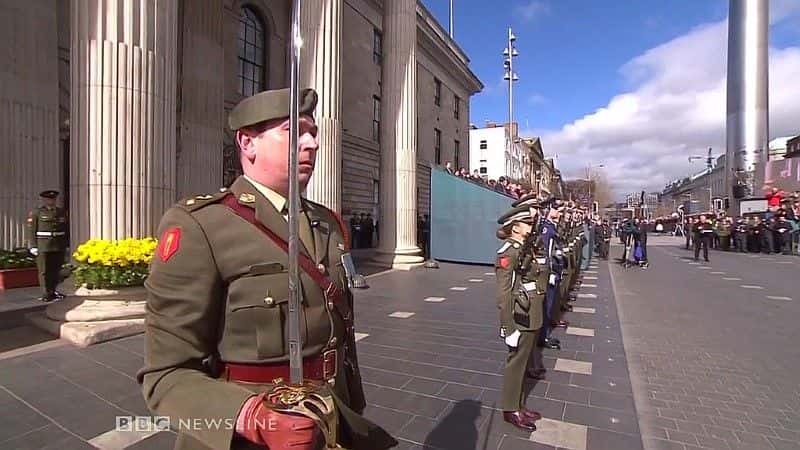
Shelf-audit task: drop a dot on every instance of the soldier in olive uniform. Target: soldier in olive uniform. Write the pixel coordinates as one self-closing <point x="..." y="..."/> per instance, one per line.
<point x="520" y="302"/>
<point x="47" y="240"/>
<point x="216" y="339"/>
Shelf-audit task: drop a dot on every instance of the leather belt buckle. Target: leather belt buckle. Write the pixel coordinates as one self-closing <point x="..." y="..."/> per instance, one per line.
<point x="329" y="359"/>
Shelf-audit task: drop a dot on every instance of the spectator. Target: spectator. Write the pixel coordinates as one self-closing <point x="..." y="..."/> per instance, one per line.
<point x="449" y="168"/>
<point x="774" y="197"/>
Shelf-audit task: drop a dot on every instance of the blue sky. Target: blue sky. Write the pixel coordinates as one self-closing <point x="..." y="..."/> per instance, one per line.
<point x="581" y="59"/>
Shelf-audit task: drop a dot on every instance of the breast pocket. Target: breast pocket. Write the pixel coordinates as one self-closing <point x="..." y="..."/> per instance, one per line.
<point x="256" y="320"/>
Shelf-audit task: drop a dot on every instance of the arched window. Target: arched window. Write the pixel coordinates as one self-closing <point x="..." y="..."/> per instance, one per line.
<point x="252" y="54"/>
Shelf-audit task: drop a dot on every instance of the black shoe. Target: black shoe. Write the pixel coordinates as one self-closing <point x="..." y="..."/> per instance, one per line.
<point x="551" y="345"/>
<point x="47" y="298"/>
<point x="59" y="295"/>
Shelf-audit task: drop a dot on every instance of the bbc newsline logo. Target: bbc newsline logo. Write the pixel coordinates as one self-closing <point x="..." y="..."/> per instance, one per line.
<point x="148" y="424"/>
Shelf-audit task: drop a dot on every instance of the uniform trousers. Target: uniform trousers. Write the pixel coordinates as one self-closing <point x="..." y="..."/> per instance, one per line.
<point x="702" y="241"/>
<point x="550" y="297"/>
<point x="49" y="267"/>
<point x="515" y="371"/>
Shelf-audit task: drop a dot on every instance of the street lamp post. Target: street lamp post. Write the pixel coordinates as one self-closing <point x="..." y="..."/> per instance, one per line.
<point x="509" y="53"/>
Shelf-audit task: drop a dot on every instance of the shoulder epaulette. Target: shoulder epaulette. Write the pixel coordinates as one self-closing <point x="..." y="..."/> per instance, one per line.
<point x="199" y="201"/>
<point x="504" y="247"/>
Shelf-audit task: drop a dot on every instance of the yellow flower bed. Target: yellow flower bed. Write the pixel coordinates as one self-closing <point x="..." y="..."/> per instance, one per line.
<point x="103" y="263"/>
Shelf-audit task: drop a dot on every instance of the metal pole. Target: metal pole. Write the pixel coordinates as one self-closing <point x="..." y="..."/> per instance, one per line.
<point x="747" y="96"/>
<point x="510" y="86"/>
<point x="295" y="350"/>
<point x="451" y="19"/>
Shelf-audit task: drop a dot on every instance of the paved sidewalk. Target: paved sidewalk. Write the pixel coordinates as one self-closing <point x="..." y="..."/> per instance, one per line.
<point x="431" y="361"/>
<point x="713" y="348"/>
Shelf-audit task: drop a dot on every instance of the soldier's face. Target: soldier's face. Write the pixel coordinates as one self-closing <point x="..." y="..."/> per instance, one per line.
<point x="265" y="156"/>
<point x="51" y="202"/>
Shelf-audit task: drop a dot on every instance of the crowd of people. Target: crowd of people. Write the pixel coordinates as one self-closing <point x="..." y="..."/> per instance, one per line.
<point x="502" y="185"/>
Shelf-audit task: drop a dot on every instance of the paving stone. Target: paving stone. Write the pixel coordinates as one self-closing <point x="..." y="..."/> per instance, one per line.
<point x="709" y="442"/>
<point x="391" y="420"/>
<point x="460" y="392"/>
<point x="608" y="440"/>
<point x="601" y="418"/>
<point x="612" y="401"/>
<point x="560" y="434"/>
<point x="780" y="444"/>
<point x="570" y="394"/>
<point x="662" y="444"/>
<point x="689" y="427"/>
<point x="720" y="433"/>
<point x="727" y="423"/>
<point x="753" y="439"/>
<point x="680" y="436"/>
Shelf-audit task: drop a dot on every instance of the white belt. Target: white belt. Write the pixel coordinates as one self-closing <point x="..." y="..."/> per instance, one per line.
<point x="529" y="286"/>
<point x="541" y="260"/>
<point x="558" y="253"/>
<point x="50" y="233"/>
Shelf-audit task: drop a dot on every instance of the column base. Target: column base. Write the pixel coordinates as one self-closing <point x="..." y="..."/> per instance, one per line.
<point x="401" y="259"/>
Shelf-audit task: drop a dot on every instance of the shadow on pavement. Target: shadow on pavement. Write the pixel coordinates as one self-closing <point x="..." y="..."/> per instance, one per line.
<point x="457" y="431"/>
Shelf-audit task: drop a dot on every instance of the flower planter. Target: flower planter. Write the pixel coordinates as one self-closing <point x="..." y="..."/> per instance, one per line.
<point x="18" y="278"/>
<point x="91" y="316"/>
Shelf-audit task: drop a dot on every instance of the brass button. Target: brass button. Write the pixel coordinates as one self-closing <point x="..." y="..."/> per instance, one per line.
<point x="321" y="268"/>
<point x="333" y="342"/>
<point x="269" y="301"/>
<point x="330" y="305"/>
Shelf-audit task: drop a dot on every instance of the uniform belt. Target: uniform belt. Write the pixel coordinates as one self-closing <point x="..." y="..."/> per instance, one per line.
<point x="541" y="260"/>
<point x="318" y="368"/>
<point x="50" y="233"/>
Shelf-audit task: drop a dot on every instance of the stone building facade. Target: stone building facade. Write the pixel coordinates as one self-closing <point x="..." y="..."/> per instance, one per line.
<point x="122" y="105"/>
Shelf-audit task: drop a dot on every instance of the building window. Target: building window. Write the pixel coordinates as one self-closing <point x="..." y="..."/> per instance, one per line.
<point x="437" y="145"/>
<point x="456" y="107"/>
<point x="377" y="46"/>
<point x="376" y="119"/>
<point x="457" y="154"/>
<point x="252" y="53"/>
<point x="437" y="94"/>
<point x="484" y="146"/>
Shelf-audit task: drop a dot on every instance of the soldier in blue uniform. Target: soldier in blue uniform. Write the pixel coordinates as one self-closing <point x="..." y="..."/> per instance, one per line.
<point x="554" y="257"/>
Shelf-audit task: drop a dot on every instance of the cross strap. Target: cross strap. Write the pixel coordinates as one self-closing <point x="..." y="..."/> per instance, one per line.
<point x="330" y="289"/>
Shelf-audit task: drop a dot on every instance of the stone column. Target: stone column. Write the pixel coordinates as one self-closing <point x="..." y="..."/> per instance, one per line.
<point x="321" y="68"/>
<point x="28" y="112"/>
<point x="200" y="115"/>
<point x="123" y="56"/>
<point x="398" y="221"/>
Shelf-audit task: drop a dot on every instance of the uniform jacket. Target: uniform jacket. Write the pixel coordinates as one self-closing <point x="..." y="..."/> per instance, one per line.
<point x="519" y="296"/>
<point x="218" y="290"/>
<point x="47" y="229"/>
<point x="551" y="243"/>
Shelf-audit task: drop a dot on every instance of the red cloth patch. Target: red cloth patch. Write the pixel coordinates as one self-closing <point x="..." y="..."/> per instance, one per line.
<point x="169" y="244"/>
<point x="504" y="262"/>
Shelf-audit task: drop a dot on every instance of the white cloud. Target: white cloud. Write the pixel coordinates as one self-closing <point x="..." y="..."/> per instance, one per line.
<point x="532" y="9"/>
<point x="675" y="107"/>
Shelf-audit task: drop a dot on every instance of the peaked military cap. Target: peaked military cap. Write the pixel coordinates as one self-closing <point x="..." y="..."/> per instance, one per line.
<point x="518" y="214"/>
<point x="269" y="105"/>
<point x="530" y="200"/>
<point x="48" y="194"/>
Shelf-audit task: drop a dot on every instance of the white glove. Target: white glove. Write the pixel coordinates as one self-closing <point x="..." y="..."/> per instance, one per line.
<point x="552" y="280"/>
<point x="35" y="251"/>
<point x="512" y="340"/>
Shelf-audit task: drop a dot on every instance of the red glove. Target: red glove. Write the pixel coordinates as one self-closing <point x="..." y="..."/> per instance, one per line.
<point x="275" y="430"/>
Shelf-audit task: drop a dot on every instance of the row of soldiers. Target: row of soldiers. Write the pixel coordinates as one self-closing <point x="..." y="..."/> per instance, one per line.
<point x="754" y="234"/>
<point x="538" y="273"/>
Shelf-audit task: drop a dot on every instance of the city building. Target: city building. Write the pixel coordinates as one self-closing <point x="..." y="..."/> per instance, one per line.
<point x="793" y="147"/>
<point x="533" y="160"/>
<point x="122" y="106"/>
<point x="496" y="151"/>
<point x="778" y="147"/>
<point x="704" y="191"/>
